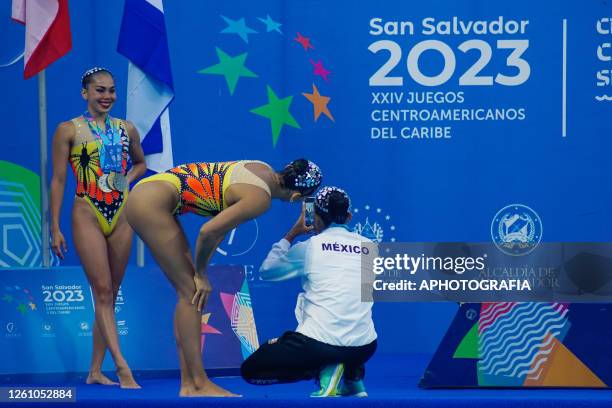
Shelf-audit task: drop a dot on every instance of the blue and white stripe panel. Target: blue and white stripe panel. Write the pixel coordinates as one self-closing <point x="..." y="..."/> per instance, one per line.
<point x="143" y="40"/>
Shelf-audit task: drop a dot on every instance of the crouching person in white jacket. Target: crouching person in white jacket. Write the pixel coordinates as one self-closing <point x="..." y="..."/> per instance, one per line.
<point x="335" y="335"/>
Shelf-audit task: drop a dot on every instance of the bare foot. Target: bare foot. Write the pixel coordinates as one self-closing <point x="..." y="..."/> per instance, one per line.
<point x="126" y="380"/>
<point x="209" y="389"/>
<point x="99" y="378"/>
<point x="185" y="390"/>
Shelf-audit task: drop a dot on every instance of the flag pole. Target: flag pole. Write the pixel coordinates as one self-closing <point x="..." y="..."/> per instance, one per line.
<point x="44" y="189"/>
<point x="140" y="252"/>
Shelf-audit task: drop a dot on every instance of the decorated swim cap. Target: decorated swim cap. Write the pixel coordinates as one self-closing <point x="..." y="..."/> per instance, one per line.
<point x="92" y="71"/>
<point x="322" y="200"/>
<point x="311" y="178"/>
<point x="302" y="175"/>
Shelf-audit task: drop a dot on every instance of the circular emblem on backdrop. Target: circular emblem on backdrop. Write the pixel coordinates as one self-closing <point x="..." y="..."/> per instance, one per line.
<point x="516" y="230"/>
<point x="47" y="329"/>
<point x="373" y="223"/>
<point x="471" y="314"/>
<point x="240" y="240"/>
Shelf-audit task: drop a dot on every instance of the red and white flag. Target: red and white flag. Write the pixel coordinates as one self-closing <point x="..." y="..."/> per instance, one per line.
<point x="47" y="32"/>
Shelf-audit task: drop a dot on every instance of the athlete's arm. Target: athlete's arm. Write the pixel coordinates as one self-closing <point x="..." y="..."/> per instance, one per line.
<point x="139" y="166"/>
<point x="284" y="262"/>
<point x="60" y="154"/>
<point x="212" y="233"/>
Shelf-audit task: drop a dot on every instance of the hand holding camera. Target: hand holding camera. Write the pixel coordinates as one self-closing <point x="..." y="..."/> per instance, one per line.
<point x="305" y="222"/>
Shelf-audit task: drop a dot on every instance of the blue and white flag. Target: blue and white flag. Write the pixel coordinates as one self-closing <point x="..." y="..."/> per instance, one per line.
<point x="143" y="40"/>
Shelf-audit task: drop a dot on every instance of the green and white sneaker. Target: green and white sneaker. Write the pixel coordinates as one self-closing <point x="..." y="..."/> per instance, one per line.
<point x="352" y="389"/>
<point x="329" y="378"/>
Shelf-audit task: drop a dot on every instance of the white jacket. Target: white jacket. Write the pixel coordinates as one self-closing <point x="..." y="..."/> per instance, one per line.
<point x="330" y="309"/>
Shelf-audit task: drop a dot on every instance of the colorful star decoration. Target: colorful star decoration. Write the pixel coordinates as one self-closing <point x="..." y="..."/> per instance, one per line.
<point x="32" y="306"/>
<point x="271" y="25"/>
<point x="238" y="27"/>
<point x="277" y="110"/>
<point x="22" y="308"/>
<point x="319" y="103"/>
<point x="232" y="68"/>
<point x="304" y="41"/>
<point x="320" y="70"/>
<point x="8" y="298"/>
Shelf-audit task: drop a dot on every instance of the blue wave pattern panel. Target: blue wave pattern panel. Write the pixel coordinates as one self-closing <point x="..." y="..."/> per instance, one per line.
<point x="20" y="240"/>
<point x="517" y="344"/>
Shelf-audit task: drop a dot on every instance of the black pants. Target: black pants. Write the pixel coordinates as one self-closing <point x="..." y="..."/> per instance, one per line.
<point x="295" y="357"/>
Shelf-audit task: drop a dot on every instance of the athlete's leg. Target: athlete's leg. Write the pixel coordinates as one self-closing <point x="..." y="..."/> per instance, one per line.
<point x="119" y="244"/>
<point x="187" y="383"/>
<point x="95" y="375"/>
<point x="149" y="210"/>
<point x="354" y="359"/>
<point x="292" y="357"/>
<point x="92" y="249"/>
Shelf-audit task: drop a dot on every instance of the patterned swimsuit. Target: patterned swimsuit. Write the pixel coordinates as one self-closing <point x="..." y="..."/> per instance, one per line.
<point x="202" y="186"/>
<point x="85" y="162"/>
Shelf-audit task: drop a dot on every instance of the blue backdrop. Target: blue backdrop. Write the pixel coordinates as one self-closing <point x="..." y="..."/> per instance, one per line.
<point x="492" y="78"/>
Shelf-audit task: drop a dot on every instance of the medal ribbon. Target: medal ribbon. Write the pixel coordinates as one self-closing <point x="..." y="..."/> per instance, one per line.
<point x="106" y="140"/>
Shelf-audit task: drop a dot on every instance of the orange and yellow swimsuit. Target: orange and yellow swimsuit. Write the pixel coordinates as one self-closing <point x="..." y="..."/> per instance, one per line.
<point x="202" y="186"/>
<point x="85" y="162"/>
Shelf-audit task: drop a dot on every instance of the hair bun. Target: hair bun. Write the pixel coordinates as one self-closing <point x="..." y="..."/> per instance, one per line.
<point x="302" y="175"/>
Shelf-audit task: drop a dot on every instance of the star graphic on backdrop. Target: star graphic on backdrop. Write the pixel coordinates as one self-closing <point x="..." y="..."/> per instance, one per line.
<point x="32" y="306"/>
<point x="22" y="308"/>
<point x="304" y="41"/>
<point x="320" y="70"/>
<point x="277" y="110"/>
<point x="238" y="27"/>
<point x="271" y="25"/>
<point x="319" y="103"/>
<point x="7" y="298"/>
<point x="232" y="68"/>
